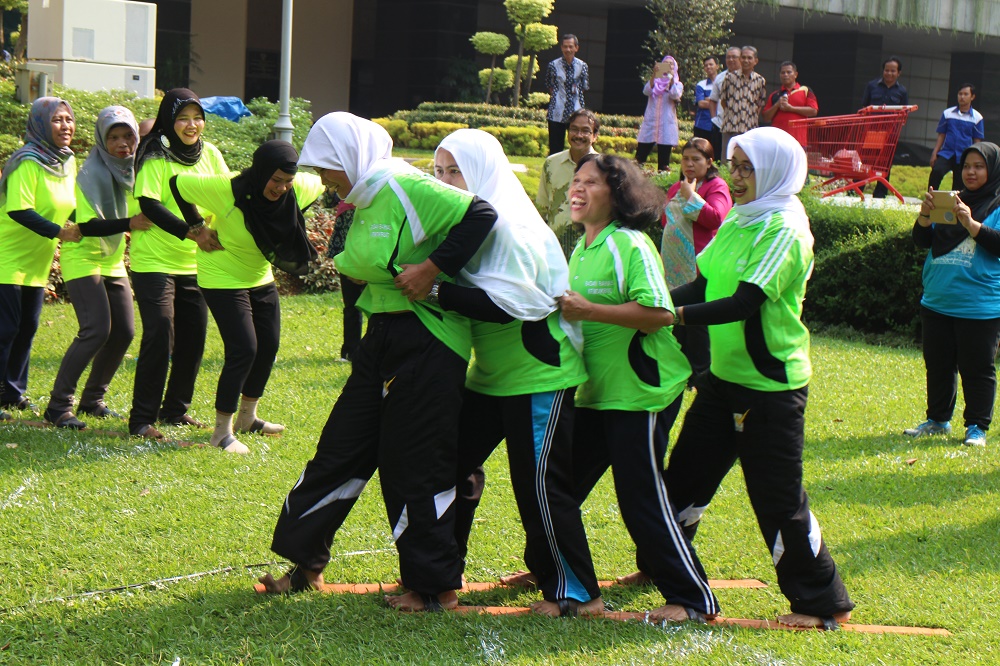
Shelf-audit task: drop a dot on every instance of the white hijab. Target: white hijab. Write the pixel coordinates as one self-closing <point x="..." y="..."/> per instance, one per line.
<point x="520" y="264"/>
<point x="780" y="168"/>
<point x="358" y="147"/>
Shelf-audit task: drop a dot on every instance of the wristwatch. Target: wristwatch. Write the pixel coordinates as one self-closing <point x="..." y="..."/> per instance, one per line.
<point x="432" y="295"/>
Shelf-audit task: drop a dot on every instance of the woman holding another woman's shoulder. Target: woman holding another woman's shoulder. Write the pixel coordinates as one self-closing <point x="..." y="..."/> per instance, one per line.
<point x="751" y="405"/>
<point x="36" y="199"/>
<point x="258" y="218"/>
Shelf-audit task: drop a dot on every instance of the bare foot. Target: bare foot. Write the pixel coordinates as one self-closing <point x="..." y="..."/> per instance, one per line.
<point x="673" y="613"/>
<point x="414" y="601"/>
<point x="520" y="579"/>
<point x="283" y="585"/>
<point x="572" y="607"/>
<point x="800" y="620"/>
<point x="637" y="578"/>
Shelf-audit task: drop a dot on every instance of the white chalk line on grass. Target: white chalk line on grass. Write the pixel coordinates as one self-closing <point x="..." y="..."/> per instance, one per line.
<point x="14" y="496"/>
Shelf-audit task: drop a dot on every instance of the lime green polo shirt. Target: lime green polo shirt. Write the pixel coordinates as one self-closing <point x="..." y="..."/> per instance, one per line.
<point x="629" y="370"/>
<point x="154" y="250"/>
<point x="405" y="222"/>
<point x="93" y="255"/>
<point x="510" y="361"/>
<point x="26" y="257"/>
<point x="769" y="351"/>
<point x="240" y="264"/>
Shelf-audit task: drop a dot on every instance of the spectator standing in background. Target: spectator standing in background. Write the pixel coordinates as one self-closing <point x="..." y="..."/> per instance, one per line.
<point x="742" y="96"/>
<point x="718" y="113"/>
<point x="557" y="174"/>
<point x="704" y="127"/>
<point x="889" y="91"/>
<point x="566" y="78"/>
<point x="793" y="101"/>
<point x="659" y="123"/>
<point x="960" y="127"/>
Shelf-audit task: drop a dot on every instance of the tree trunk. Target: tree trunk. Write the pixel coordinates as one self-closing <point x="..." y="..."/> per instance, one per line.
<point x="531" y="72"/>
<point x="22" y="38"/>
<point x="517" y="74"/>
<point x="489" y="86"/>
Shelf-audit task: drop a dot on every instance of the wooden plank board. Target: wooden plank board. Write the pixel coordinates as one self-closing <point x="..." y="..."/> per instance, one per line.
<point x="388" y="588"/>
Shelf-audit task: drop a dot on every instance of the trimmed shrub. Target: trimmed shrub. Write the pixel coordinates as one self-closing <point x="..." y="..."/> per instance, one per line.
<point x="538" y="100"/>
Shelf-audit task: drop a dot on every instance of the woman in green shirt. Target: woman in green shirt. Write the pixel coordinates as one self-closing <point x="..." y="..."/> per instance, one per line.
<point x="36" y="200"/>
<point x="173" y="311"/>
<point x="258" y="218"/>
<point x="751" y="404"/>
<point x="637" y="371"/>
<point x="94" y="270"/>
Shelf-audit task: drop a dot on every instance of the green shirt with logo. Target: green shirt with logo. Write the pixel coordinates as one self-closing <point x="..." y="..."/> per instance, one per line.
<point x="629" y="370"/>
<point x="94" y="255"/>
<point x="770" y="350"/>
<point x="240" y="264"/>
<point x="405" y="222"/>
<point x="26" y="257"/>
<point x="154" y="250"/>
<point x="520" y="358"/>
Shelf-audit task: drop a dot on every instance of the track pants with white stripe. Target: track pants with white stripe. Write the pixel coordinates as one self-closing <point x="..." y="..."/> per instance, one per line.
<point x="398" y="413"/>
<point x="634" y="444"/>
<point x="765" y="431"/>
<point x="538" y="428"/>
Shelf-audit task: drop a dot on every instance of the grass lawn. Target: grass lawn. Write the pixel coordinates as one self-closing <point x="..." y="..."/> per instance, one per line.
<point x="913" y="526"/>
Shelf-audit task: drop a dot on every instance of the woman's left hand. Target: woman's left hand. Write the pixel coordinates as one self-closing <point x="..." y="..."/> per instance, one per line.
<point x="574" y="307"/>
<point x="416" y="280"/>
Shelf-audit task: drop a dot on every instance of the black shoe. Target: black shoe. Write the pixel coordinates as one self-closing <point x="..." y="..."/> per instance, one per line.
<point x="64" y="420"/>
<point x="23" y="404"/>
<point x="99" y="411"/>
<point x="184" y="420"/>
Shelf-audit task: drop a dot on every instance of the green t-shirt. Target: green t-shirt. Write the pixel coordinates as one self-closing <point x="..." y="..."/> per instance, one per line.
<point x="404" y="224"/>
<point x="154" y="250"/>
<point x="519" y="358"/>
<point x="26" y="257"/>
<point x="94" y="255"/>
<point x="629" y="370"/>
<point x="239" y="265"/>
<point x="769" y="351"/>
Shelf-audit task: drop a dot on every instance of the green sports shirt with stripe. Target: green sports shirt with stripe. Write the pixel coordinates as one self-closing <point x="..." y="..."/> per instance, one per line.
<point x="628" y="369"/>
<point x="770" y="350"/>
<point x="405" y="222"/>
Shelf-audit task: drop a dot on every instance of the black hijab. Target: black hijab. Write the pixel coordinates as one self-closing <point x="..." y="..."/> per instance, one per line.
<point x="277" y="227"/>
<point x="981" y="202"/>
<point x="162" y="141"/>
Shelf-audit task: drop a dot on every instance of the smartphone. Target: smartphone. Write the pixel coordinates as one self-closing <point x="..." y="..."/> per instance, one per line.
<point x="944" y="202"/>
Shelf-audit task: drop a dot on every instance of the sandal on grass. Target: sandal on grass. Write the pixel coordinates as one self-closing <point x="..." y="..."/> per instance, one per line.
<point x="64" y="420"/>
<point x="431" y="603"/>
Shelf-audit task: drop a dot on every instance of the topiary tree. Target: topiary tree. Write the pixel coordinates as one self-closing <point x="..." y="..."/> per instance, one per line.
<point x="527" y="72"/>
<point x="704" y="31"/>
<point x="491" y="44"/>
<point x="522" y="13"/>
<point x="502" y="78"/>
<point x="537" y="38"/>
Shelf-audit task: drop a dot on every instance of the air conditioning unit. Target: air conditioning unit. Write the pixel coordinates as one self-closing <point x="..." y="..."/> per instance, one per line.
<point x="95" y="44"/>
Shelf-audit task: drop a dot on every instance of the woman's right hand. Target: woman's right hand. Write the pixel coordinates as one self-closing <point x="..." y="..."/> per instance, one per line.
<point x="70" y="234"/>
<point x="139" y="223"/>
<point x="926" y="206"/>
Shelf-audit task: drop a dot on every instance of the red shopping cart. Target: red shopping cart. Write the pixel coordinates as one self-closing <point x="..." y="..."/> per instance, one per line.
<point x="857" y="148"/>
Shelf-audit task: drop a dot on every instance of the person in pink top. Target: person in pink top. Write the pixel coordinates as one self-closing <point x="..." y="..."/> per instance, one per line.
<point x="696" y="206"/>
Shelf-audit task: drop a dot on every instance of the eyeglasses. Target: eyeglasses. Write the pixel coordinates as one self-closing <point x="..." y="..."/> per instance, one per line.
<point x="582" y="131"/>
<point x="745" y="170"/>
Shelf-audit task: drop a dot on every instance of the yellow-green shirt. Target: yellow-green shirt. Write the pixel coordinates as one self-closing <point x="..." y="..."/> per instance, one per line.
<point x="155" y="250"/>
<point x="93" y="255"/>
<point x="26" y="257"/>
<point x="240" y="265"/>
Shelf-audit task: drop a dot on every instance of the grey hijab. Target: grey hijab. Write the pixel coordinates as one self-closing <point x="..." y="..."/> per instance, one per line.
<point x="108" y="196"/>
